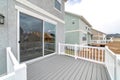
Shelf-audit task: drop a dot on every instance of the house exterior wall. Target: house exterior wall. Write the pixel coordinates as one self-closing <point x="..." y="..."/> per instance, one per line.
<point x="74" y="33"/>
<point x="9" y="32"/>
<point x="3" y="36"/>
<point x="71" y="22"/>
<point x="97" y="35"/>
<point x="50" y="8"/>
<point x="72" y="37"/>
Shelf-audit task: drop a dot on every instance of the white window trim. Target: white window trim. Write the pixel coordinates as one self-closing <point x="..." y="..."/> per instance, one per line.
<point x="60" y="11"/>
<point x="38" y="9"/>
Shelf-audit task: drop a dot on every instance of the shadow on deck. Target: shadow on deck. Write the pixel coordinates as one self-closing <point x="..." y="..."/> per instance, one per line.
<point x="61" y="67"/>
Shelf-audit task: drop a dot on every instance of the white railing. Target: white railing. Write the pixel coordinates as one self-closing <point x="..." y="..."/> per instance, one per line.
<point x="96" y="54"/>
<point x="118" y="68"/>
<point x="15" y="71"/>
<point x="112" y="62"/>
<point x="100" y="41"/>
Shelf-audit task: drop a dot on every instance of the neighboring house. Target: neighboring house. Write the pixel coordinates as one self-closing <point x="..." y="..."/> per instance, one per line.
<point x="98" y="35"/>
<point x="77" y="29"/>
<point x="32" y="28"/>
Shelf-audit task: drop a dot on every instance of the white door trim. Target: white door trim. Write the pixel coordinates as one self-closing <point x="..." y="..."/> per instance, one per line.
<point x="28" y="12"/>
<point x="38" y="9"/>
<point x="18" y="35"/>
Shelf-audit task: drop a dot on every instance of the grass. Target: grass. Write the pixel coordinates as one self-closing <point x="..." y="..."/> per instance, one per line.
<point x="114" y="46"/>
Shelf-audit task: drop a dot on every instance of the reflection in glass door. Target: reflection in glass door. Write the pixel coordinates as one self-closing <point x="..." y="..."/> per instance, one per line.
<point x="49" y="38"/>
<point x="31" y="36"/>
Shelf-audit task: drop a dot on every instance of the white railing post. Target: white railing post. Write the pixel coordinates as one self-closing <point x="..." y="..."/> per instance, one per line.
<point x="115" y="68"/>
<point x="20" y="72"/>
<point x="75" y="48"/>
<point x="13" y="66"/>
<point x="59" y="48"/>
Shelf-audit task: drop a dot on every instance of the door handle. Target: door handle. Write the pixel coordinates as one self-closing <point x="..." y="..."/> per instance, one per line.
<point x="19" y="41"/>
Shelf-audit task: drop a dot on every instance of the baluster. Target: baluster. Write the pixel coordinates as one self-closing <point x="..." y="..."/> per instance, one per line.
<point x="84" y="51"/>
<point x="89" y="52"/>
<point x="92" y="53"/>
<point x="98" y="54"/>
<point x="95" y="54"/>
<point x="102" y="55"/>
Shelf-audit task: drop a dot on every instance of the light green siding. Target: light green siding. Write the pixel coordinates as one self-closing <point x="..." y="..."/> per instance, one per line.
<point x="72" y="38"/>
<point x="76" y="30"/>
<point x="71" y="22"/>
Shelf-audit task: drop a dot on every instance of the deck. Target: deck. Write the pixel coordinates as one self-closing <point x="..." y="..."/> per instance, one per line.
<point x="61" y="67"/>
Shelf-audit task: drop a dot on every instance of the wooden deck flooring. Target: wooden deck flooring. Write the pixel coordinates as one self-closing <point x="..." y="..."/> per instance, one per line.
<point x="60" y="67"/>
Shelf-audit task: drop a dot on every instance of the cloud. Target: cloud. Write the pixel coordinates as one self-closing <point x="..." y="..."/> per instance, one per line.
<point x="102" y="14"/>
<point x="72" y="2"/>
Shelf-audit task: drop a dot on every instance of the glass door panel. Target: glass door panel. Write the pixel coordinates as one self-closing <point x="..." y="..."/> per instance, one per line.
<point x="31" y="37"/>
<point x="49" y="38"/>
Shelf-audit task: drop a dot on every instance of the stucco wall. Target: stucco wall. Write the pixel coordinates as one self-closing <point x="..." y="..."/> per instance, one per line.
<point x="3" y="36"/>
<point x="49" y="5"/>
<point x="8" y="31"/>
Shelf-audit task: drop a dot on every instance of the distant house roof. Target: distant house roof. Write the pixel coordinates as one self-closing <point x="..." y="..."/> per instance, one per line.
<point x="48" y="36"/>
<point x="65" y="0"/>
<point x="98" y="31"/>
<point x="81" y="17"/>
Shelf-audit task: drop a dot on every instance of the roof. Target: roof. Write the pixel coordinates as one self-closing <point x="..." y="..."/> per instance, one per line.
<point x="65" y="0"/>
<point x="98" y="31"/>
<point x="48" y="36"/>
<point x="81" y="17"/>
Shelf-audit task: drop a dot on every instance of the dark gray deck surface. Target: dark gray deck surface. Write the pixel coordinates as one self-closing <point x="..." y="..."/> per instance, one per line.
<point x="59" y="67"/>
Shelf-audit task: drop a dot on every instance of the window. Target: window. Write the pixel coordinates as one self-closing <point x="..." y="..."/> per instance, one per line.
<point x="84" y="37"/>
<point x="58" y="4"/>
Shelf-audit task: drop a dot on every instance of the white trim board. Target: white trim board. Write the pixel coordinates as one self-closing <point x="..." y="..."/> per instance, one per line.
<point x="37" y="59"/>
<point x="76" y="31"/>
<point x="34" y="14"/>
<point x="38" y="9"/>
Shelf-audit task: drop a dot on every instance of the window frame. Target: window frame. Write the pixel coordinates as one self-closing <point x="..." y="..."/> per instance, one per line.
<point x="60" y="2"/>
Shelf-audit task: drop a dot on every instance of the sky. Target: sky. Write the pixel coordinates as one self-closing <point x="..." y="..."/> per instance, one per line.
<point x="103" y="15"/>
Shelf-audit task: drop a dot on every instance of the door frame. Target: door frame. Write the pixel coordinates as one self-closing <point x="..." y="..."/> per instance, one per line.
<point x="33" y="14"/>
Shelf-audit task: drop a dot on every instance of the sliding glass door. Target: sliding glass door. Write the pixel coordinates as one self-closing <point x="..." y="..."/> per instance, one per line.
<point x="34" y="39"/>
<point x="31" y="35"/>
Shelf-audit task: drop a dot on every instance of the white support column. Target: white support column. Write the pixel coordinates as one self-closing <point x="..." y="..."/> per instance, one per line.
<point x="115" y="68"/>
<point x="75" y="48"/>
<point x="59" y="48"/>
<point x="20" y="72"/>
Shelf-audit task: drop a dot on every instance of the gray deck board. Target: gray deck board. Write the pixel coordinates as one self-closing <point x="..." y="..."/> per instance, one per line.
<point x="60" y="67"/>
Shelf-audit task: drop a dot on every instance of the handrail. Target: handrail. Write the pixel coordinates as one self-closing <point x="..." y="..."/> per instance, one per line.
<point x="104" y="55"/>
<point x="8" y="77"/>
<point x="100" y="41"/>
<point x="13" y="58"/>
<point x="112" y="62"/>
<point x="15" y="71"/>
<point x="94" y="54"/>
